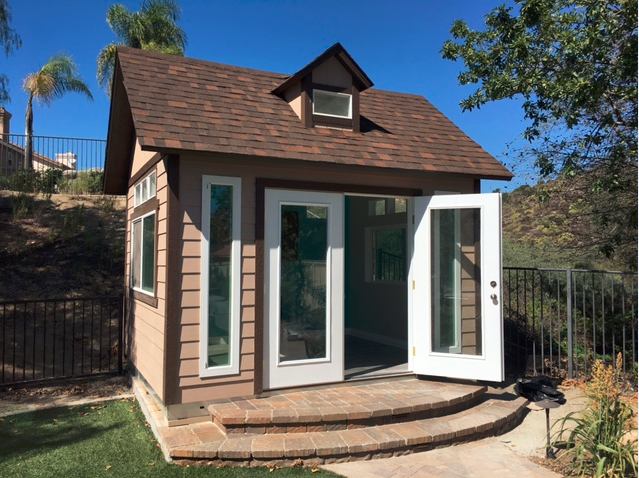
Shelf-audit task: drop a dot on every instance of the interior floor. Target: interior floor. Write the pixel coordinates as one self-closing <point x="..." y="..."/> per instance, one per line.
<point x="365" y="358"/>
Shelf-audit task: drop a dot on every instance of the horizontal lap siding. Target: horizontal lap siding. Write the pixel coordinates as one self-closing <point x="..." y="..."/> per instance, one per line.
<point x="146" y="324"/>
<point x="192" y="388"/>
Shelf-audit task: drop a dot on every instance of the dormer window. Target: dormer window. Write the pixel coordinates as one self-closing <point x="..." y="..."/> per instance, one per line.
<point x="325" y="93"/>
<point x="333" y="104"/>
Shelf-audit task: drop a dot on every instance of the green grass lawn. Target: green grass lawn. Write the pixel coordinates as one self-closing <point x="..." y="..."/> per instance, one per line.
<point x="110" y="439"/>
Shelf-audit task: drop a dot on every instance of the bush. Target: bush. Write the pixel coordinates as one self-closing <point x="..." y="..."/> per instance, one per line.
<point x="599" y="444"/>
<point x="84" y="182"/>
<point x="49" y="181"/>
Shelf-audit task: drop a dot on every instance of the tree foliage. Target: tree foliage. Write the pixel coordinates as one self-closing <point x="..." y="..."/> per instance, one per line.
<point x="10" y="41"/>
<point x="58" y="76"/>
<point x="574" y="64"/>
<point x="153" y="28"/>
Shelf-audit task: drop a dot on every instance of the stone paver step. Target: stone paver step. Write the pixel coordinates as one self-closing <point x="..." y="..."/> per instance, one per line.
<point x="205" y="441"/>
<point x="343" y="408"/>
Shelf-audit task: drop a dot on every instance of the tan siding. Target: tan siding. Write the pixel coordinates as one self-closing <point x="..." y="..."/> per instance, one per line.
<point x="147" y="326"/>
<point x="294" y="99"/>
<point x="193" y="388"/>
<point x="140" y="158"/>
<point x="191" y="394"/>
<point x="193" y="380"/>
<point x="332" y="73"/>
<point x="190" y="333"/>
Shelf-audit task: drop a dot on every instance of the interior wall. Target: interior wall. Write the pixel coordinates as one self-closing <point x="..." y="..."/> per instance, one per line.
<point x="378" y="308"/>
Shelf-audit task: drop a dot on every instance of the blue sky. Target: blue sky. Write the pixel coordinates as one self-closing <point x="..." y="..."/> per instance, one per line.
<point x="397" y="43"/>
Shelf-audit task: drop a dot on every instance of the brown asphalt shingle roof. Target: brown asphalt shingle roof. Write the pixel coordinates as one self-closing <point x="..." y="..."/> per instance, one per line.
<point x="182" y="104"/>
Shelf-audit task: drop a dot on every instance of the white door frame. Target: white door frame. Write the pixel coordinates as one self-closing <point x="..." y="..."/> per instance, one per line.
<point x="279" y="374"/>
<point x="489" y="364"/>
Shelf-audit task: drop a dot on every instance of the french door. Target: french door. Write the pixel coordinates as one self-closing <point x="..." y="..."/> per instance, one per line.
<point x="304" y="290"/>
<point x="454" y="288"/>
<point x="456" y="280"/>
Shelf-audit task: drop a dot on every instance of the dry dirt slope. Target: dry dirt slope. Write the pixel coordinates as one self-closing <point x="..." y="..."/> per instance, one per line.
<point x="60" y="246"/>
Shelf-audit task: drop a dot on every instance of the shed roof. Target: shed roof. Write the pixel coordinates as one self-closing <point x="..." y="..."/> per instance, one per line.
<point x="180" y="104"/>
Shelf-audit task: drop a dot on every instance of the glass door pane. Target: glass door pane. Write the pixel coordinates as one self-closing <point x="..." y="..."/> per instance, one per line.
<point x="456" y="281"/>
<point x="304" y="290"/>
<point x="303" y="260"/>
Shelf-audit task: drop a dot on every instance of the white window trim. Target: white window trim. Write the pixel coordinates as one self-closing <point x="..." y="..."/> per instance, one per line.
<point x="236" y="273"/>
<point x="133" y="221"/>
<point x="334" y="93"/>
<point x="138" y="190"/>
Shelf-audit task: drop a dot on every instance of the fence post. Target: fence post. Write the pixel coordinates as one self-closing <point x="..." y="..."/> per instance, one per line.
<point x="569" y="321"/>
<point x="121" y="333"/>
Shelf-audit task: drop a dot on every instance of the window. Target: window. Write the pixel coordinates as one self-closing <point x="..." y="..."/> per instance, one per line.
<point x="221" y="261"/>
<point x="145" y="189"/>
<point x="143" y="254"/>
<point x="329" y="103"/>
<point x="386" y="254"/>
<point x="383" y="206"/>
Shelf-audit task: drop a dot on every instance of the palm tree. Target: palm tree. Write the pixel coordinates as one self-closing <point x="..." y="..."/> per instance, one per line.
<point x="58" y="76"/>
<point x="153" y="28"/>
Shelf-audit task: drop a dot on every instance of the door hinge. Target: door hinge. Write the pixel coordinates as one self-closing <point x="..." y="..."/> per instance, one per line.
<point x="413" y="219"/>
<point x="414" y="351"/>
<point x="413" y="285"/>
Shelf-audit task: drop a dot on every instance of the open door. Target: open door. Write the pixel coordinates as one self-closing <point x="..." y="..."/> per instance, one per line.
<point x="304" y="290"/>
<point x="456" y="272"/>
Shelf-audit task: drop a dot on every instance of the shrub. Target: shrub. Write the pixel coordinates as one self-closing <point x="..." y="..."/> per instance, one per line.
<point x="84" y="182"/>
<point x="599" y="443"/>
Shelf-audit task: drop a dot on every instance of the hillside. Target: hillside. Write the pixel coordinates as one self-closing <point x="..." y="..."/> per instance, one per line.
<point x="54" y="246"/>
<point x="550" y="225"/>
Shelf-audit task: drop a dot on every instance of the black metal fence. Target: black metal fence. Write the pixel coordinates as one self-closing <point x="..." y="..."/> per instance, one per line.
<point x="60" y="338"/>
<point x="559" y="321"/>
<point x="67" y="165"/>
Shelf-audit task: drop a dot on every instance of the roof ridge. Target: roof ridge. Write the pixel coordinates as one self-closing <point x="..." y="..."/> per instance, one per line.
<point x="185" y="59"/>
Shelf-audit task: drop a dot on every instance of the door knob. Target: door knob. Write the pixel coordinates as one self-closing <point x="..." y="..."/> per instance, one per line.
<point x="493" y="296"/>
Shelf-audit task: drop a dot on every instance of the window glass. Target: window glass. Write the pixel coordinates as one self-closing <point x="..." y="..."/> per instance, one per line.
<point x="389" y="254"/>
<point x="144" y="195"/>
<point x="136" y="255"/>
<point x="381" y="206"/>
<point x="303" y="279"/>
<point x="221" y="276"/>
<point x="146" y="189"/>
<point x="152" y="185"/>
<point x="329" y="103"/>
<point x="148" y="253"/>
<point x="143" y="254"/>
<point x="220" y="271"/>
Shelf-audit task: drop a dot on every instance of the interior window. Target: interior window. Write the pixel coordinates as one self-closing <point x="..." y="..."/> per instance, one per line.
<point x="388" y="254"/>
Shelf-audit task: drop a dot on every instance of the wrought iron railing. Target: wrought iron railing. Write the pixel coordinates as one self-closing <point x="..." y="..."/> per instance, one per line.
<point x="70" y="165"/>
<point x="60" y="338"/>
<point x="559" y="321"/>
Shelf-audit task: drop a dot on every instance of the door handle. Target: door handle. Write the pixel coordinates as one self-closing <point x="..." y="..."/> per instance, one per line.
<point x="493" y="296"/>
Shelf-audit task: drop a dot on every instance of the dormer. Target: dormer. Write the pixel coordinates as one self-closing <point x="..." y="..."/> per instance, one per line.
<point x="325" y="93"/>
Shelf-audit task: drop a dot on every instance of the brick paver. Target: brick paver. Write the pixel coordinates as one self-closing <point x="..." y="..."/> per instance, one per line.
<point x="487" y="458"/>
